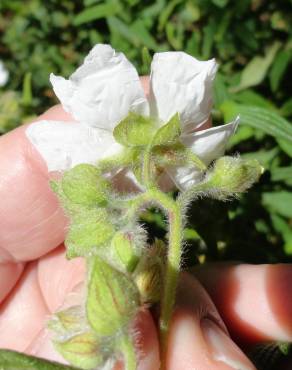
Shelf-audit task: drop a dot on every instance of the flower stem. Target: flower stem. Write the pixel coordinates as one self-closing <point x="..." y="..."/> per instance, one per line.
<point x="174" y="213"/>
<point x="146" y="168"/>
<point x="171" y="273"/>
<point x="128" y="350"/>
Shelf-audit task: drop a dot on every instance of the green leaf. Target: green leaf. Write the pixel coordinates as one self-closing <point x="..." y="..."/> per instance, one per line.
<point x="265" y="157"/>
<point x="278" y="202"/>
<point x="88" y="231"/>
<point x="169" y="133"/>
<point x="82" y="350"/>
<point x="256" y="70"/>
<point x="220" y="3"/>
<point x="279" y="67"/>
<point x="146" y="58"/>
<point x="26" y="90"/>
<point x="286" y="109"/>
<point x="85" y="186"/>
<point x="220" y="91"/>
<point x="12" y="360"/>
<point x="140" y="31"/>
<point x="260" y="118"/>
<point x="286" y="146"/>
<point x="166" y="13"/>
<point x="96" y="12"/>
<point x="134" y="130"/>
<point x="283" y="227"/>
<point x="117" y="26"/>
<point x="282" y="174"/>
<point x="242" y="133"/>
<point x="250" y="97"/>
<point x="112" y="300"/>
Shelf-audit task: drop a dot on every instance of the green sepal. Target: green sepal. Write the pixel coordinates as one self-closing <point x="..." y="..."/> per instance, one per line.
<point x="89" y="230"/>
<point x="12" y="360"/>
<point x="172" y="155"/>
<point x="68" y="321"/>
<point x="134" y="130"/>
<point x="85" y="186"/>
<point x="82" y="350"/>
<point x="112" y="300"/>
<point x="169" y="133"/>
<point x="123" y="244"/>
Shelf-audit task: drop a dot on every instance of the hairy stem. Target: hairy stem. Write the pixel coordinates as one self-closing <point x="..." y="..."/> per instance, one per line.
<point x="146" y="168"/>
<point x="128" y="350"/>
<point x="172" y="271"/>
<point x="173" y="211"/>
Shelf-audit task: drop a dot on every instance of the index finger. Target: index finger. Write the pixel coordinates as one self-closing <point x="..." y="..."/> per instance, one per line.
<point x="31" y="221"/>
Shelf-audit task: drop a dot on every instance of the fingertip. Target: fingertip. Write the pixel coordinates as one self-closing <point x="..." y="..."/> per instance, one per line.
<point x="255" y="301"/>
<point x="146" y="341"/>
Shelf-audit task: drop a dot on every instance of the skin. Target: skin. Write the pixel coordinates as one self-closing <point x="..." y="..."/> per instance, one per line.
<point x="247" y="304"/>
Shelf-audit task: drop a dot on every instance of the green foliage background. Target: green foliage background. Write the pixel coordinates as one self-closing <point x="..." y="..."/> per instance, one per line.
<point x="252" y="41"/>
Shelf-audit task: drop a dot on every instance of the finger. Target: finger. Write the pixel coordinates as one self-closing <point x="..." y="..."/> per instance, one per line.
<point x="9" y="274"/>
<point x="25" y="314"/>
<point x="22" y="314"/>
<point x="198" y="337"/>
<point x="31" y="222"/>
<point x="254" y="301"/>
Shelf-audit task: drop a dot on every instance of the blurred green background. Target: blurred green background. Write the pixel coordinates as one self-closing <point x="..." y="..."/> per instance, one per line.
<point x="251" y="40"/>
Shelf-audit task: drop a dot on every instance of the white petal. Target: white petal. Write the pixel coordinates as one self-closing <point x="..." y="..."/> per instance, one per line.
<point x="4" y="74"/>
<point x="183" y="84"/>
<point x="63" y="145"/>
<point x="103" y="90"/>
<point x="207" y="145"/>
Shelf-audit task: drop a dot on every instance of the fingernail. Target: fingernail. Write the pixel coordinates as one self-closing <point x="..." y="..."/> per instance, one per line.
<point x="222" y="348"/>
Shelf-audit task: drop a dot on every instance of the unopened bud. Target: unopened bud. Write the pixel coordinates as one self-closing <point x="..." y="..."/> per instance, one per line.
<point x="113" y="298"/>
<point x="149" y="273"/>
<point x="124" y="246"/>
<point x="231" y="175"/>
<point x="82" y="350"/>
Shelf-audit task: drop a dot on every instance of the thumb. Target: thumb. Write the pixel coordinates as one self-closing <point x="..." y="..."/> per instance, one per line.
<point x="198" y="337"/>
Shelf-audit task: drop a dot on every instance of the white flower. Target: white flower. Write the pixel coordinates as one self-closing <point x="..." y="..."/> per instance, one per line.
<point x="102" y="92"/>
<point x="4" y="74"/>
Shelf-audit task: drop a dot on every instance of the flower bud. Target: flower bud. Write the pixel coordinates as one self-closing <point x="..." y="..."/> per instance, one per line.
<point x="149" y="273"/>
<point x="85" y="186"/>
<point x="233" y="175"/>
<point x="82" y="350"/>
<point x="112" y="300"/>
<point x="124" y="246"/>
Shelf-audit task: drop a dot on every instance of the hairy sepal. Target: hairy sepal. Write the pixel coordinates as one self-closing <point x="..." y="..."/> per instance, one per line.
<point x="134" y="130"/>
<point x="82" y="350"/>
<point x="88" y="232"/>
<point x="113" y="298"/>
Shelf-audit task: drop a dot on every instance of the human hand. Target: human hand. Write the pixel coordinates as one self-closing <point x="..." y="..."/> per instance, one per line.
<point x="254" y="301"/>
